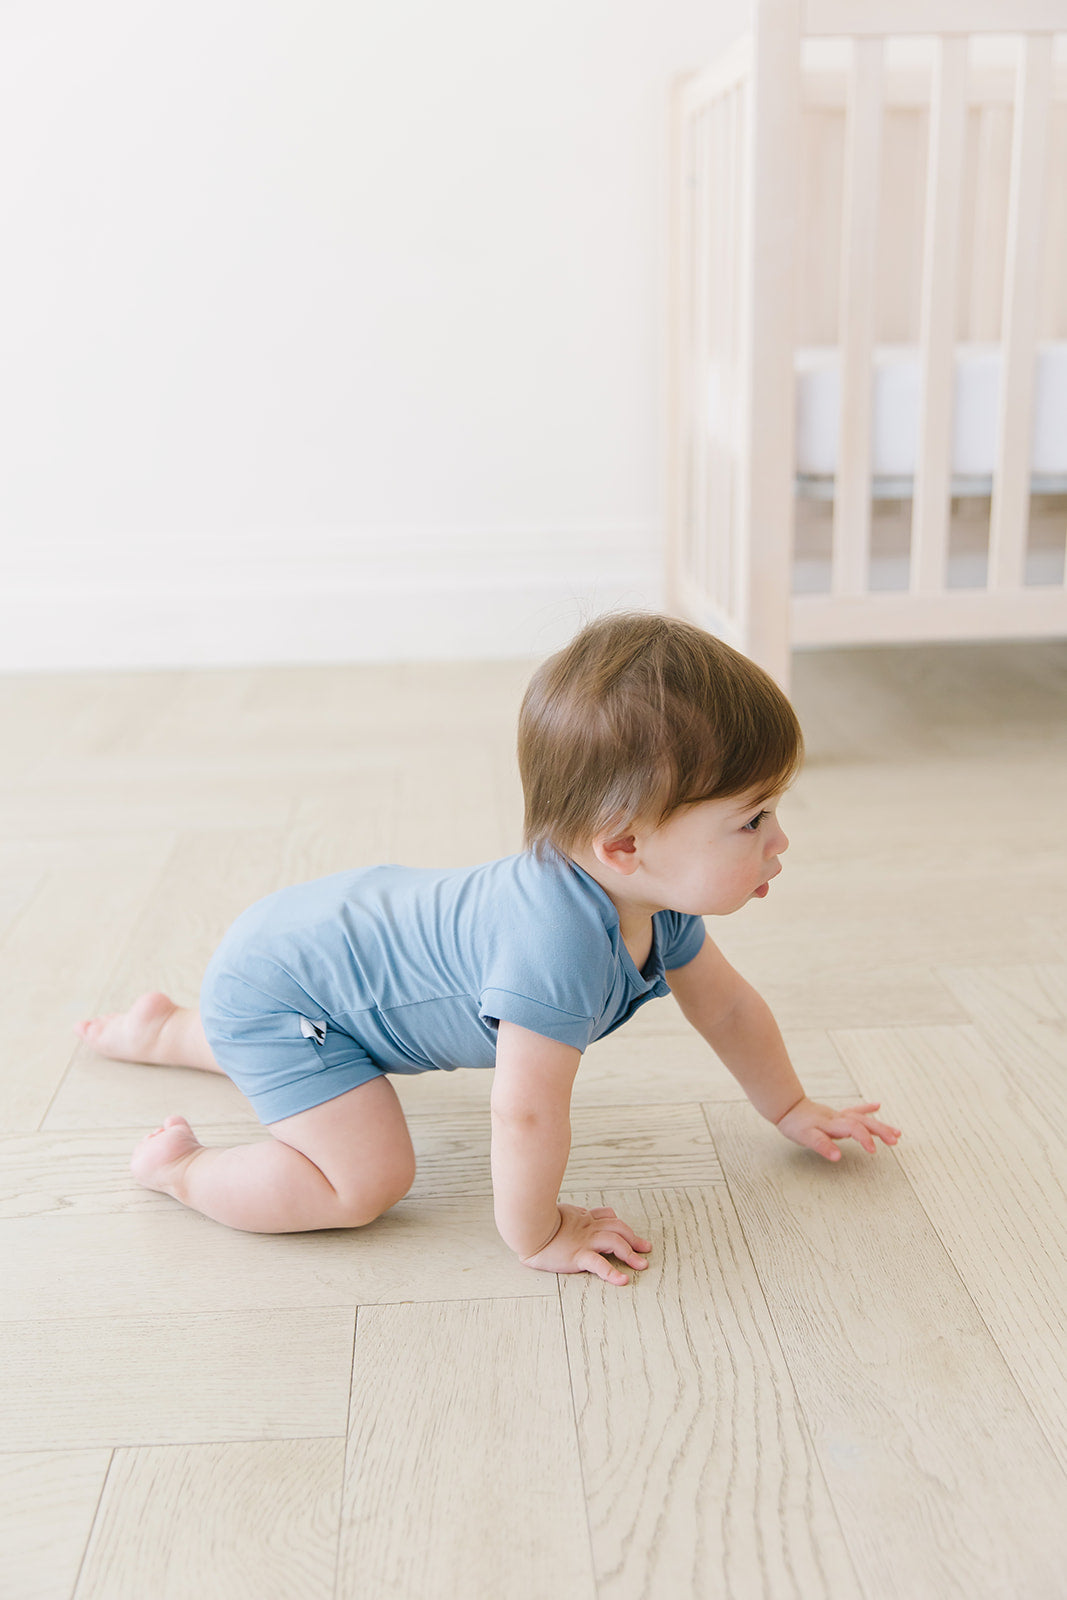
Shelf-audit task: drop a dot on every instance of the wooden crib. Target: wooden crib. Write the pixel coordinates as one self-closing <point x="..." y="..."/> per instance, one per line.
<point x="868" y="384"/>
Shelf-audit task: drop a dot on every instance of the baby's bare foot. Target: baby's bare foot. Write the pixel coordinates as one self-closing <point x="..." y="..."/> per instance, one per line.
<point x="132" y="1035"/>
<point x="159" y="1161"/>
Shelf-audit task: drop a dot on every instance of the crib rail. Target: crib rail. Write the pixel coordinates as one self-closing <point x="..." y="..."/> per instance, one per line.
<point x="736" y="179"/>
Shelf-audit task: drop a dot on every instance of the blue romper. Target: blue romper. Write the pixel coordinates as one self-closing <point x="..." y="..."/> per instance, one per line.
<point x="320" y="987"/>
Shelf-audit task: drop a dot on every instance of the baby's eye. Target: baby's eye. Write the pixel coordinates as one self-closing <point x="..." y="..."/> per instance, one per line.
<point x="754" y="822"/>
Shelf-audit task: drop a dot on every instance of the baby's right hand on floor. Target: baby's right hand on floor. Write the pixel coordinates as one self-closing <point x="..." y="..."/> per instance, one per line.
<point x="582" y="1241"/>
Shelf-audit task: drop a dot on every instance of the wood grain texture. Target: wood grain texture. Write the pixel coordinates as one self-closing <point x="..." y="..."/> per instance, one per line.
<point x="463" y="1476"/>
<point x="699" y="1472"/>
<point x="432" y="1249"/>
<point x="205" y="884"/>
<point x="857" y="1393"/>
<point x="990" y="1170"/>
<point x="620" y="1144"/>
<point x="55" y="960"/>
<point x="97" y="1093"/>
<point x="79" y="1382"/>
<point x="665" y="1069"/>
<point x="344" y="822"/>
<point x="219" y="1521"/>
<point x="87" y="1171"/>
<point x="1022" y="1012"/>
<point x="48" y="1499"/>
<point x="943" y="1482"/>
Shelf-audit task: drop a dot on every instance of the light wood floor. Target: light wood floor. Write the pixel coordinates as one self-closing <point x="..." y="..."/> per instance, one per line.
<point x="832" y="1381"/>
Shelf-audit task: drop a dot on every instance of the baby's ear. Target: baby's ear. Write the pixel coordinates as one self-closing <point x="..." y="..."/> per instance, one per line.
<point x="618" y="851"/>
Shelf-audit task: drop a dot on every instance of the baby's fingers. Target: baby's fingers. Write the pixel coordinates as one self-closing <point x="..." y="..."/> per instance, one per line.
<point x="592" y="1261"/>
<point x="617" y="1225"/>
<point x="853" y="1128"/>
<point x="823" y="1145"/>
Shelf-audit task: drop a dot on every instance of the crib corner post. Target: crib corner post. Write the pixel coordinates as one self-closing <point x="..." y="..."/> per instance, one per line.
<point x="678" y="333"/>
<point x="768" y="320"/>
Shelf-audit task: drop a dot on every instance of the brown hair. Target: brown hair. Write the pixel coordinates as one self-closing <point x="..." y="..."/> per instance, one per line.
<point x="641" y="714"/>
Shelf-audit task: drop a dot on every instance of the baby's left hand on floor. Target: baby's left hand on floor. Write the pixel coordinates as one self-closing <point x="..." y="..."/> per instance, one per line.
<point x="816" y="1127"/>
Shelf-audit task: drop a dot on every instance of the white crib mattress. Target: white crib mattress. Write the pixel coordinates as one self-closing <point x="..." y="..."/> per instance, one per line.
<point x="896" y="411"/>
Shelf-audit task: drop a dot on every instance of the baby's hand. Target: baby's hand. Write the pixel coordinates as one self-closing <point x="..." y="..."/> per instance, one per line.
<point x="581" y="1238"/>
<point x="815" y="1126"/>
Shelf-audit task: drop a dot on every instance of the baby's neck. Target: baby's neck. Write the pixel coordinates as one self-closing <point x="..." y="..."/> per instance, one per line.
<point x="635" y="917"/>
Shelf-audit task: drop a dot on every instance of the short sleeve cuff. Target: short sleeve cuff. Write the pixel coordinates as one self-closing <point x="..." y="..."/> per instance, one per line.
<point x="500" y="1005"/>
<point x="688" y="946"/>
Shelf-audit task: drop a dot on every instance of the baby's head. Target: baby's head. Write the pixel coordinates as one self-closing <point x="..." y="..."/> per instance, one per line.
<point x="642" y="714"/>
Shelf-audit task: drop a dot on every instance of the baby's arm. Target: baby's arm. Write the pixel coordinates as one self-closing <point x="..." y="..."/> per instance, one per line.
<point x="531" y="1143"/>
<point x="738" y="1025"/>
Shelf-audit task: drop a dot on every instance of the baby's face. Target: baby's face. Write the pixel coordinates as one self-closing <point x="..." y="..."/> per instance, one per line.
<point x="713" y="857"/>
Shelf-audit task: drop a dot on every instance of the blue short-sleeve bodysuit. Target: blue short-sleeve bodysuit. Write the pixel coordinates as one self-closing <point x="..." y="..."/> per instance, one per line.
<point x="320" y="987"/>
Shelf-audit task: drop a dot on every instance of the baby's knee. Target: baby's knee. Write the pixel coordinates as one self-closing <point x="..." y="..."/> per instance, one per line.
<point x="372" y="1199"/>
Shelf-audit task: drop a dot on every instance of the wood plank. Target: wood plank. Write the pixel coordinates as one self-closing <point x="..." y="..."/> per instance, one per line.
<point x="943" y="1482"/>
<point x="218" y="1521"/>
<point x="699" y="1470"/>
<point x="459" y="824"/>
<point x="114" y="798"/>
<point x="662" y="1070"/>
<point x="60" y="1266"/>
<point x="48" y="1499"/>
<point x="346" y="823"/>
<point x="929" y="915"/>
<point x="1022" y="1013"/>
<point x="211" y="876"/>
<point x="82" y="1382"/>
<point x="55" y="960"/>
<point x="641" y="1066"/>
<point x="990" y="1171"/>
<point x="38" y="712"/>
<point x="207" y="881"/>
<point x="86" y="1172"/>
<point x="441" y="1498"/>
<point x="621" y="1144"/>
<point x="20" y="883"/>
<point x="98" y="1093"/>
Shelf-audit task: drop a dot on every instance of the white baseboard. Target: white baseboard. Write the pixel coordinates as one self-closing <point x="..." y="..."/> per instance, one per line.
<point x="313" y="597"/>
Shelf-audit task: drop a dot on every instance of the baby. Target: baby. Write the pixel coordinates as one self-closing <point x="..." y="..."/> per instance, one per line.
<point x="653" y="758"/>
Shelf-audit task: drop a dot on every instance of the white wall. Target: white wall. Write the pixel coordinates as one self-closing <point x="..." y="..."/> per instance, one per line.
<point x="330" y="330"/>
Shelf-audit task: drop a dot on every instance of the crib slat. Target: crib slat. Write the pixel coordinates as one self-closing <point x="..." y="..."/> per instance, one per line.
<point x="1011" y="482"/>
<point x="852" y="504"/>
<point x="767" y="323"/>
<point x="986" y="249"/>
<point x="716" y="351"/>
<point x="930" y="509"/>
<point x="679" y="421"/>
<point x="704" y="445"/>
<point x="722" y="77"/>
<point x="738" y="111"/>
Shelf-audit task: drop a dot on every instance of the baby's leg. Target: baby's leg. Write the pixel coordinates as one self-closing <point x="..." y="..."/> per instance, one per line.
<point x="338" y="1165"/>
<point x="155" y="1030"/>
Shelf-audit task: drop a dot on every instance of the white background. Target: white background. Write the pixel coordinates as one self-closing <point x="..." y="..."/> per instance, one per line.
<point x="331" y="331"/>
